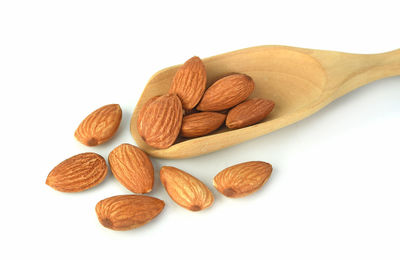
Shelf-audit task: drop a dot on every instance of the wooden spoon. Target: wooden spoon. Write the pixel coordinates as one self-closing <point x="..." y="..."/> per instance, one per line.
<point x="300" y="81"/>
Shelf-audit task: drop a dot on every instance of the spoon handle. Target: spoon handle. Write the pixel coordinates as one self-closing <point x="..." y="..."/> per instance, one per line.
<point x="386" y="64"/>
<point x="366" y="68"/>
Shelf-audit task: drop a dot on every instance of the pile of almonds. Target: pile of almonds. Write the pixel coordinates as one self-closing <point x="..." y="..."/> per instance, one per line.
<point x="160" y="122"/>
<point x="191" y="110"/>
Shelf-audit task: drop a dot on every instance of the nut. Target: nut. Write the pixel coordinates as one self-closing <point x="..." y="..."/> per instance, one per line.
<point x="78" y="173"/>
<point x="159" y="120"/>
<point x="242" y="179"/>
<point x="249" y="112"/>
<point x="189" y="82"/>
<point x="186" y="190"/>
<point x="202" y="123"/>
<point x="226" y="93"/>
<point x="132" y="168"/>
<point x="99" y="126"/>
<point x="126" y="212"/>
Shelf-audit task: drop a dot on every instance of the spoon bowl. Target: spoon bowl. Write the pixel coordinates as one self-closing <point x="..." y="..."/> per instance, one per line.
<point x="299" y="81"/>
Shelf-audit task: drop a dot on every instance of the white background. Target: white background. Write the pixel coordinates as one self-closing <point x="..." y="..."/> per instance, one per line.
<point x="334" y="192"/>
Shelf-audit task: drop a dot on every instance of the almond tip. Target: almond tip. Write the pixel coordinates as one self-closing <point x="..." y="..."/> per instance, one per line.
<point x="229" y="192"/>
<point x="195" y="208"/>
<point x="92" y="142"/>
<point x="106" y="222"/>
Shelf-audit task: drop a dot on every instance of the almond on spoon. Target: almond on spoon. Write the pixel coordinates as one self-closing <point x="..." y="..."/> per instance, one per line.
<point x="159" y="121"/>
<point x="226" y="93"/>
<point x="189" y="82"/>
<point x="202" y="123"/>
<point x="249" y="112"/>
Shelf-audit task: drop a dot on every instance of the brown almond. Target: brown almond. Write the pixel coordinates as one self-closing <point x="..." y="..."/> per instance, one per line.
<point x="242" y="179"/>
<point x="159" y="121"/>
<point x="226" y="93"/>
<point x="99" y="126"/>
<point x="249" y="112"/>
<point x="202" y="123"/>
<point x="78" y="173"/>
<point x="186" y="190"/>
<point x="132" y="168"/>
<point x="189" y="82"/>
<point x="126" y="212"/>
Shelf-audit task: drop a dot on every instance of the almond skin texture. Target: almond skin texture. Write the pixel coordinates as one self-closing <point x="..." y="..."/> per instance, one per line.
<point x="159" y="121"/>
<point x="226" y="93"/>
<point x="202" y="123"/>
<point x="242" y="179"/>
<point x="99" y="126"/>
<point x="126" y="212"/>
<point x="132" y="168"/>
<point x="186" y="190"/>
<point x="189" y="82"/>
<point x="78" y="173"/>
<point x="249" y="112"/>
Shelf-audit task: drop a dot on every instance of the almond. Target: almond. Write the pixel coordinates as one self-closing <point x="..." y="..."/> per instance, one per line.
<point x="132" y="168"/>
<point x="202" y="123"/>
<point x="78" y="173"/>
<point x="126" y="212"/>
<point x="185" y="190"/>
<point x="99" y="126"/>
<point x="226" y="93"/>
<point x="189" y="82"/>
<point x="249" y="112"/>
<point x="242" y="179"/>
<point x="159" y="121"/>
